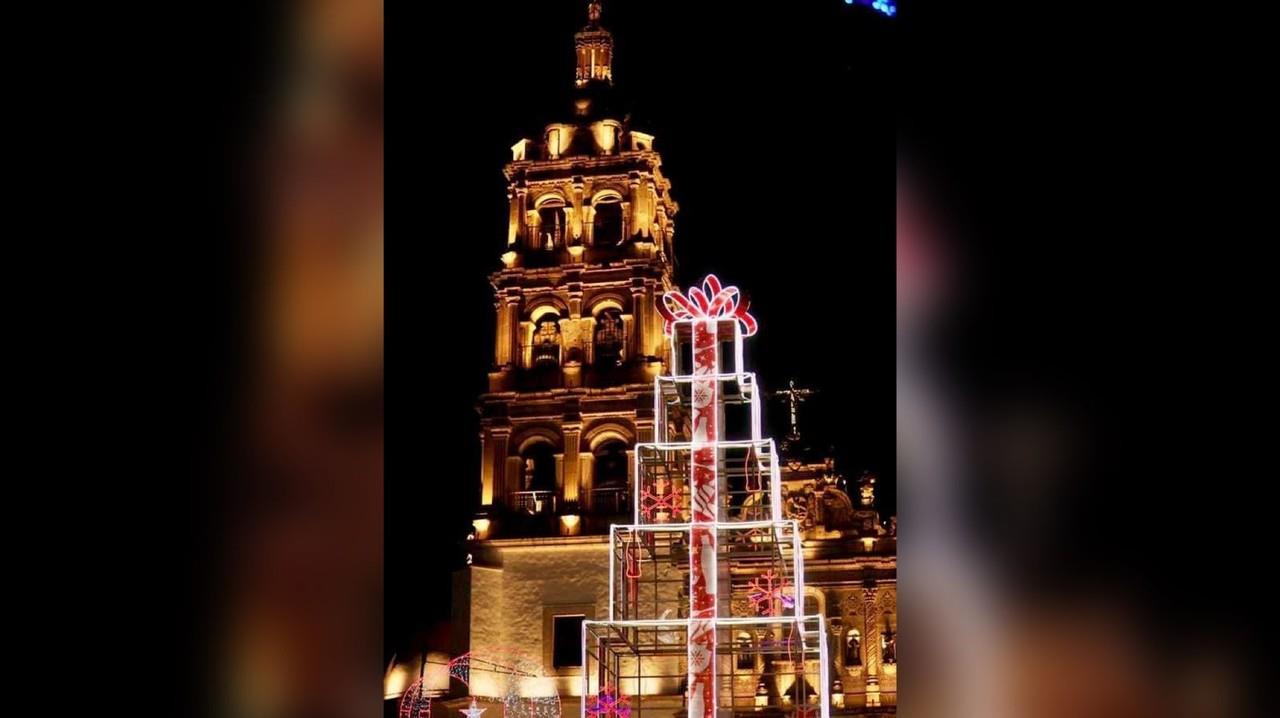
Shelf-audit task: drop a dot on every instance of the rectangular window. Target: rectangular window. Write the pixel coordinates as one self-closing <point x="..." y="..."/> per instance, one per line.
<point x="566" y="641"/>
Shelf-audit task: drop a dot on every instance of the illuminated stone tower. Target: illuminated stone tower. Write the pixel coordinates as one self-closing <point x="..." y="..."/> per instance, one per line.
<point x="588" y="251"/>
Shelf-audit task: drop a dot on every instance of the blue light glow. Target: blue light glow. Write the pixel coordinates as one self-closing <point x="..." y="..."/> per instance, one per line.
<point x="888" y="7"/>
<point x="885" y="6"/>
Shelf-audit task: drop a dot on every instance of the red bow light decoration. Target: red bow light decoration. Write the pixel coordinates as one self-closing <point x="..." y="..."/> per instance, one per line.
<point x="712" y="301"/>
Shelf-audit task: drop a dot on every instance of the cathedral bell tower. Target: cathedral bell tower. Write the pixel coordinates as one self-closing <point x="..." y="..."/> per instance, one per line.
<point x="578" y="342"/>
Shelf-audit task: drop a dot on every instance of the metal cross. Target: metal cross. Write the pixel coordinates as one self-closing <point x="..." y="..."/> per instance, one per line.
<point x="793" y="397"/>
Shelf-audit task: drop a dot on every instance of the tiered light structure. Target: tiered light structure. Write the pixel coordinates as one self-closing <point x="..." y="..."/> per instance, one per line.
<point x="706" y="588"/>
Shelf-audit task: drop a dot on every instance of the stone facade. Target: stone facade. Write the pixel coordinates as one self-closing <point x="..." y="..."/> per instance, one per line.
<point x="515" y="588"/>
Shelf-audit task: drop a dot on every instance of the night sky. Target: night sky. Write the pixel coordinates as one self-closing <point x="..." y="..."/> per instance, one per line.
<point x="777" y="133"/>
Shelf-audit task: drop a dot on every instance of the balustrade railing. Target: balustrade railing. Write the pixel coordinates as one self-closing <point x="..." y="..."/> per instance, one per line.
<point x="534" y="502"/>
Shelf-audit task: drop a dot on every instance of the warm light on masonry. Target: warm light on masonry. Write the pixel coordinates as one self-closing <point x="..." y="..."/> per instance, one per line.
<point x="570" y="524"/>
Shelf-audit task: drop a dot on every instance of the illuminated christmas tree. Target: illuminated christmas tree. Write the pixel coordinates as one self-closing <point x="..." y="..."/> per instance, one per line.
<point x="706" y="588"/>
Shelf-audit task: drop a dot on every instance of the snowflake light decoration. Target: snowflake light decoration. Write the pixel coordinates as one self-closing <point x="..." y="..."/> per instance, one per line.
<point x="607" y="704"/>
<point x="651" y="504"/>
<point x="768" y="594"/>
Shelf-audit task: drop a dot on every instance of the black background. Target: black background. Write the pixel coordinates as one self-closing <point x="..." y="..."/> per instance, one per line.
<point x="1107" y="165"/>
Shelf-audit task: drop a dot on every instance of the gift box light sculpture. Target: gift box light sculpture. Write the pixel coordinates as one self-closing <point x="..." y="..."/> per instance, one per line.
<point x="706" y="588"/>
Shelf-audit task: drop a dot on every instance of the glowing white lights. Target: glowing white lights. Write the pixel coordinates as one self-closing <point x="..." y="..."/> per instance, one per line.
<point x="473" y="711"/>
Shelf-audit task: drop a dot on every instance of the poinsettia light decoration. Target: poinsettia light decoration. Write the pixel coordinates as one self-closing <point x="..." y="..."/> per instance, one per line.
<point x="608" y="704"/>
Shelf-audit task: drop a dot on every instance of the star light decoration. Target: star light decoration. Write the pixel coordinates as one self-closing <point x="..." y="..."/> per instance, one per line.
<point x="606" y="704"/>
<point x="767" y="594"/>
<point x="473" y="711"/>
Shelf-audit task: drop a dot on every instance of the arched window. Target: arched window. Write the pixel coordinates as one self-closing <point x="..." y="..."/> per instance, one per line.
<point x="546" y="340"/>
<point x="611" y="465"/>
<point x="551" y="226"/>
<point x="745" y="659"/>
<point x="538" y="468"/>
<point x="606" y="230"/>
<point x="853" y="648"/>
<point x="609" y="337"/>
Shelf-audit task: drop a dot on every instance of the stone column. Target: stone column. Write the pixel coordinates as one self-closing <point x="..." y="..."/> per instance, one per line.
<point x="588" y="340"/>
<point x="657" y="340"/>
<point x="586" y="480"/>
<point x="513" y="217"/>
<point x="502" y="336"/>
<point x="521" y="213"/>
<point x="572" y="227"/>
<point x="570" y="339"/>
<point x="654" y="203"/>
<point x="572" y="465"/>
<point x="580" y="215"/>
<point x="835" y="644"/>
<point x="500" y="436"/>
<point x="644" y="430"/>
<point x="631" y="209"/>
<point x="559" y="491"/>
<point x="589" y="225"/>
<point x="575" y="300"/>
<point x="512" y="324"/>
<point x="871" y="642"/>
<point x="524" y="343"/>
<point x="640" y="308"/>
<point x="488" y="464"/>
<point x="629" y="337"/>
<point x="507" y="308"/>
